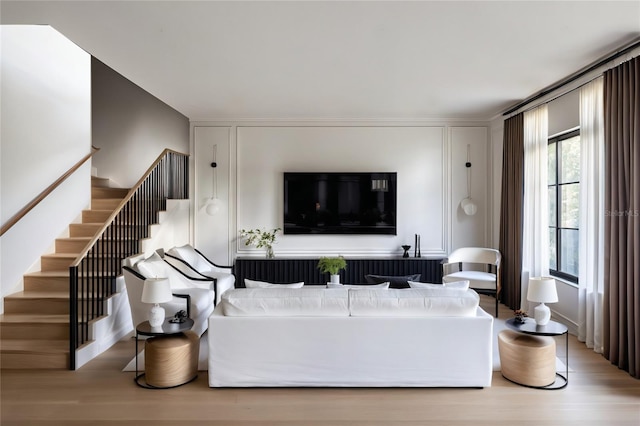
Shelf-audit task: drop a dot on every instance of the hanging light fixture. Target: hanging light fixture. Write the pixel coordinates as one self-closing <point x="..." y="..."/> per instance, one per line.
<point x="212" y="205"/>
<point x="468" y="205"/>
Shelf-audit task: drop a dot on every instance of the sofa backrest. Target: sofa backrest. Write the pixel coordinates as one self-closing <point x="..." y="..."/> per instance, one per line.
<point x="313" y="302"/>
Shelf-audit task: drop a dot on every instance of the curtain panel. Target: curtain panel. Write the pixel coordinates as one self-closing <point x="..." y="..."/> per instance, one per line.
<point x="535" y="217"/>
<point x="591" y="230"/>
<point x="510" y="244"/>
<point x="622" y="216"/>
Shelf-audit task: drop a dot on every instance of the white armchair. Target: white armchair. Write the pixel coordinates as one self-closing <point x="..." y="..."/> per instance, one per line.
<point x="191" y="258"/>
<point x="192" y="294"/>
<point x="480" y="266"/>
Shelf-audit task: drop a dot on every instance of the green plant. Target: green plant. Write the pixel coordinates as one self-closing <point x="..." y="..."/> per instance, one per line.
<point x="260" y="238"/>
<point x="332" y="265"/>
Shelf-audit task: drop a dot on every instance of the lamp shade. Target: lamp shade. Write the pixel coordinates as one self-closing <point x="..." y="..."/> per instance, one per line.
<point x="212" y="206"/>
<point x="542" y="290"/>
<point x="469" y="206"/>
<point x="156" y="290"/>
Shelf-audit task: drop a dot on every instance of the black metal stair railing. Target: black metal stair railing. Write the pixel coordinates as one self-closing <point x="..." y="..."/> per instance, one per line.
<point x="92" y="276"/>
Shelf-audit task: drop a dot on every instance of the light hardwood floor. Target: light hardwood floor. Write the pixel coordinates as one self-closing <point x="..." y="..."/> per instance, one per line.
<point x="100" y="394"/>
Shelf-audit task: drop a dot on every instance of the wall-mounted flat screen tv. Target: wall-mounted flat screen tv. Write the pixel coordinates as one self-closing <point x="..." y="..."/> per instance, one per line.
<point x="340" y="203"/>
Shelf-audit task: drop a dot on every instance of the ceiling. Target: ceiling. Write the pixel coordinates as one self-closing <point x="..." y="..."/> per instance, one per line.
<point x="339" y="60"/>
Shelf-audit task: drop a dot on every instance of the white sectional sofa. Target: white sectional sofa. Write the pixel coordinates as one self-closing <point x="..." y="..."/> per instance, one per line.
<point x="433" y="337"/>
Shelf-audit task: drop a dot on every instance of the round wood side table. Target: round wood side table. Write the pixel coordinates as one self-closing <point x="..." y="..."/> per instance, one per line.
<point x="171" y="354"/>
<point x="552" y="329"/>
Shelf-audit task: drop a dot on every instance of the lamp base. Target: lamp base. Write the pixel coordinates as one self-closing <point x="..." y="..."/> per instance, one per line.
<point x="542" y="314"/>
<point x="156" y="316"/>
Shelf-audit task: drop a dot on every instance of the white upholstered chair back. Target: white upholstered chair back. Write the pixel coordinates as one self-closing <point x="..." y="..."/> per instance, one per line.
<point x="482" y="255"/>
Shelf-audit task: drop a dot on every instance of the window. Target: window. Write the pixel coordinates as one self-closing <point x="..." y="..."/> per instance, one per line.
<point x="564" y="205"/>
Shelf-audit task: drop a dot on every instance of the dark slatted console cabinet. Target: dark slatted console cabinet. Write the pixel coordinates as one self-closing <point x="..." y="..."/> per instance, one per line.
<point x="305" y="269"/>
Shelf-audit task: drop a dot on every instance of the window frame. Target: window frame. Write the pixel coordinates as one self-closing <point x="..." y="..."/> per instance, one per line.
<point x="557" y="139"/>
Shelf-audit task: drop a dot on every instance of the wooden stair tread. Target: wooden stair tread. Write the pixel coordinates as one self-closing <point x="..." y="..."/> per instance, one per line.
<point x="34" y="318"/>
<point x="61" y="255"/>
<point x="38" y="295"/>
<point x="65" y="273"/>
<point x="87" y="239"/>
<point x="34" y="346"/>
<point x="49" y="274"/>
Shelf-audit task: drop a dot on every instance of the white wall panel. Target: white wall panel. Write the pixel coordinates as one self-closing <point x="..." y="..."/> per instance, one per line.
<point x="468" y="231"/>
<point x="417" y="154"/>
<point x="211" y="232"/>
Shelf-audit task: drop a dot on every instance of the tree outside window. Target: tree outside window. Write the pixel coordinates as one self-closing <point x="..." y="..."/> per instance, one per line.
<point x="564" y="205"/>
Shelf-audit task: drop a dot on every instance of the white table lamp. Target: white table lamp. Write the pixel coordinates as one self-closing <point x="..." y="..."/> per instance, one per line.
<point x="542" y="290"/>
<point x="156" y="290"/>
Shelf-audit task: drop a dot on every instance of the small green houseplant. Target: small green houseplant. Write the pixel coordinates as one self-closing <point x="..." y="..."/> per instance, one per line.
<point x="332" y="266"/>
<point x="261" y="239"/>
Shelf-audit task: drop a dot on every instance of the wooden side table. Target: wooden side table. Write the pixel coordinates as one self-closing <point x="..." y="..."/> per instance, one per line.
<point x="171" y="355"/>
<point x="552" y="329"/>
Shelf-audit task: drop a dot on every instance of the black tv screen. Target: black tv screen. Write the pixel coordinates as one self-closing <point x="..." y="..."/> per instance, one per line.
<point x="340" y="203"/>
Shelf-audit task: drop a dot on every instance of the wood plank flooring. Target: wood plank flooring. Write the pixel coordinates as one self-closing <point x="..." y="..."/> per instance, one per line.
<point x="598" y="394"/>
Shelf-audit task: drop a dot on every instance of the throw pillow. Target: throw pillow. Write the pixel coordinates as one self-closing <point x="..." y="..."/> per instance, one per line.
<point x="458" y="285"/>
<point x="153" y="267"/>
<point x="394" y="281"/>
<point x="413" y="284"/>
<point x="358" y="286"/>
<point x="262" y="284"/>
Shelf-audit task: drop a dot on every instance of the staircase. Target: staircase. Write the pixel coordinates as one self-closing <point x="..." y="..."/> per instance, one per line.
<point x="34" y="329"/>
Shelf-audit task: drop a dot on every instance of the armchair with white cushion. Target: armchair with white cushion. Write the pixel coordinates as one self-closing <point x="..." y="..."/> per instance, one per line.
<point x="191" y="293"/>
<point x="478" y="265"/>
<point x="191" y="258"/>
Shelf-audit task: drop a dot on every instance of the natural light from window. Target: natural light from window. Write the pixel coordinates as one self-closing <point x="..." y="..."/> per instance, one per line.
<point x="564" y="204"/>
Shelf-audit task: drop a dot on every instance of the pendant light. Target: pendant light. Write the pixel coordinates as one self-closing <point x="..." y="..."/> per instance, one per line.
<point x="468" y="205"/>
<point x="212" y="205"/>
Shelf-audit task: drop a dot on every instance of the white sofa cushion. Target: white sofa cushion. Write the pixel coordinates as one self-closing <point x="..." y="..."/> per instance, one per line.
<point x="276" y="302"/>
<point x="477" y="279"/>
<point x="458" y="285"/>
<point x="428" y="302"/>
<point x="358" y="286"/>
<point x="263" y="284"/>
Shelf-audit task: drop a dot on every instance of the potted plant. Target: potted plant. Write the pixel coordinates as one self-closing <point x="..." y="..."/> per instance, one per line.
<point x="332" y="266"/>
<point x="261" y="239"/>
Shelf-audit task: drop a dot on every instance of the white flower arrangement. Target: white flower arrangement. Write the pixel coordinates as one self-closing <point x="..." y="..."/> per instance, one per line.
<point x="260" y="238"/>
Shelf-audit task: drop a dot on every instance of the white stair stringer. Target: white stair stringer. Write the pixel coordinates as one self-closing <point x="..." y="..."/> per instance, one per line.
<point x="171" y="230"/>
<point x="105" y="331"/>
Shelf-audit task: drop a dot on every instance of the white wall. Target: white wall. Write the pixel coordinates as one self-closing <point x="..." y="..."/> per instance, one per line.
<point x="46" y="129"/>
<point x="212" y="232"/>
<point x="429" y="188"/>
<point x="564" y="113"/>
<point x="131" y="126"/>
<point x="495" y="187"/>
<point x="469" y="231"/>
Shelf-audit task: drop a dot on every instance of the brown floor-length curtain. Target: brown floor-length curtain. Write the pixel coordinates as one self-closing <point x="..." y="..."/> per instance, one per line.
<point x="511" y="210"/>
<point x="622" y="216"/>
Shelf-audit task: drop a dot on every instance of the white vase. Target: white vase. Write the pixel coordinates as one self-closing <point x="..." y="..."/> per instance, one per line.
<point x="335" y="279"/>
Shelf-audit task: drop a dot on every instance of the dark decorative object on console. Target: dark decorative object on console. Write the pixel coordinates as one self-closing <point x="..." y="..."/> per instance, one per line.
<point x="394" y="281"/>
